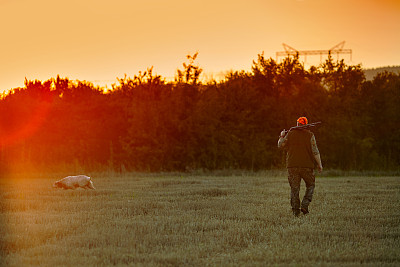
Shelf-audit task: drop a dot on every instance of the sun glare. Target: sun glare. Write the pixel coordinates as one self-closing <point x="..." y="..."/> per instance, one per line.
<point x="13" y="135"/>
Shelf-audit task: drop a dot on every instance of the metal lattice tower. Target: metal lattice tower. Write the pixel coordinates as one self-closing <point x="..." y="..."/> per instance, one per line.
<point x="337" y="49"/>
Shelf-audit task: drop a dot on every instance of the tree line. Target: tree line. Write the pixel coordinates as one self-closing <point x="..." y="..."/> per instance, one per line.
<point x="145" y="123"/>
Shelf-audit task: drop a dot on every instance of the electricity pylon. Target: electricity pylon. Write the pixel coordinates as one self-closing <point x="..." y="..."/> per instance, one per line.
<point x="337" y="49"/>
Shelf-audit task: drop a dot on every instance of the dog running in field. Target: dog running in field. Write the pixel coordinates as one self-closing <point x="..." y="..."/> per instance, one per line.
<point x="73" y="182"/>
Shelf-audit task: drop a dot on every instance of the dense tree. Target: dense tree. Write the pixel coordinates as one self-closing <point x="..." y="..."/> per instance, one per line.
<point x="379" y="103"/>
<point x="147" y="124"/>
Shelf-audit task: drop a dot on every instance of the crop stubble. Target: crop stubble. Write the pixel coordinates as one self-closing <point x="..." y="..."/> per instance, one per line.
<point x="174" y="219"/>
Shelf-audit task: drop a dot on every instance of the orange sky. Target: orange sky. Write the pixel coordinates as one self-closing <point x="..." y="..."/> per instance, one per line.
<point x="99" y="40"/>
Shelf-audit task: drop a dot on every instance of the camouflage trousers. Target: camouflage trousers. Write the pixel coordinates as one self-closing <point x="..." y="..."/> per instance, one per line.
<point x="294" y="177"/>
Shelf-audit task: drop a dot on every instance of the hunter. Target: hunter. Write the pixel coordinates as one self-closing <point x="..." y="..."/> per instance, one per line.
<point x="301" y="159"/>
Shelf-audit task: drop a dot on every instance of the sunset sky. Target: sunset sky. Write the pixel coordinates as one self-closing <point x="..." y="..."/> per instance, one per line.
<point x="100" y="40"/>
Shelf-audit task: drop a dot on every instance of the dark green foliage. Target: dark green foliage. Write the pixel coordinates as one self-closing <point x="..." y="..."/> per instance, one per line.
<point x="147" y="124"/>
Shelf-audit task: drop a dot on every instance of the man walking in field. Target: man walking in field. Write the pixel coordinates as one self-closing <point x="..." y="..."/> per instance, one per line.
<point x="301" y="159"/>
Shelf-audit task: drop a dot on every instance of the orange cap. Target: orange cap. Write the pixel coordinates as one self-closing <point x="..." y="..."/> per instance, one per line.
<point x="302" y="120"/>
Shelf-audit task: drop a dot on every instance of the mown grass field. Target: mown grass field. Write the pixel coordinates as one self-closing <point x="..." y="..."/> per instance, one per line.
<point x="196" y="220"/>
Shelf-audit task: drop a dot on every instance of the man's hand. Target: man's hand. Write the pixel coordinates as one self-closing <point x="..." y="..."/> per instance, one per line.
<point x="320" y="168"/>
<point x="282" y="141"/>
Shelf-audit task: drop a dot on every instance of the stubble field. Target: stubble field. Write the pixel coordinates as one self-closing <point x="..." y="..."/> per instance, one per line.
<point x="199" y="220"/>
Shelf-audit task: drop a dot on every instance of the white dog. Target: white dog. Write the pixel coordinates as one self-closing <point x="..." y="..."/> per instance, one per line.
<point x="72" y="182"/>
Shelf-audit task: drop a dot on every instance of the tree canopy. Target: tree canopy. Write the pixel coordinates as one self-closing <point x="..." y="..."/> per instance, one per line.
<point x="147" y="124"/>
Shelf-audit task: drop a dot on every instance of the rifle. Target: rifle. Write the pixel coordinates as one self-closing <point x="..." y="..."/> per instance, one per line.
<point x="306" y="126"/>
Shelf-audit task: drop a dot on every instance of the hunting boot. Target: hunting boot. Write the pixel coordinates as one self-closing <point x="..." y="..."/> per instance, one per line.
<point x="296" y="212"/>
<point x="304" y="210"/>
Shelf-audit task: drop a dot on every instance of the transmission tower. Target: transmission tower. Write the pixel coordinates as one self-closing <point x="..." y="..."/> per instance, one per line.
<point x="337" y="49"/>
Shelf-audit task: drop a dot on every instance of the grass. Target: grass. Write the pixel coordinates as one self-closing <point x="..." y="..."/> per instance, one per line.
<point x="196" y="220"/>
